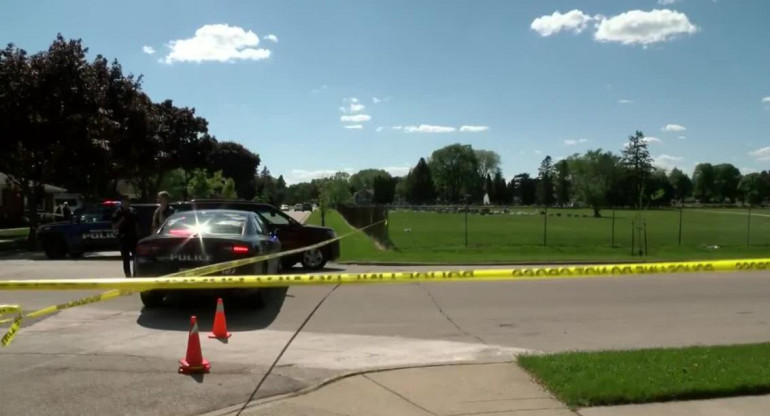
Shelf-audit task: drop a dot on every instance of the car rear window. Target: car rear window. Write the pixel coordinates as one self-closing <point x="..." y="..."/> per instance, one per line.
<point x="203" y="223"/>
<point x="273" y="217"/>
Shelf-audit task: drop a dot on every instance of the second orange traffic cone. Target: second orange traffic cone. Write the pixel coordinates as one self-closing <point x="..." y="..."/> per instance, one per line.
<point x="220" y="323"/>
<point x="193" y="362"/>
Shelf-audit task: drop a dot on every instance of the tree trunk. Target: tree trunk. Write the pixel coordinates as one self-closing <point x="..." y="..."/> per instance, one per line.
<point x="32" y="195"/>
<point x="597" y="214"/>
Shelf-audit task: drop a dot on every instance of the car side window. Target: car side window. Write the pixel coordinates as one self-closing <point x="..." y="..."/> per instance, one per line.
<point x="258" y="226"/>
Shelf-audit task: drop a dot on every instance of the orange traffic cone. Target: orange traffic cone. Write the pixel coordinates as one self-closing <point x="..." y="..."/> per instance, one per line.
<point x="193" y="362"/>
<point x="220" y="323"/>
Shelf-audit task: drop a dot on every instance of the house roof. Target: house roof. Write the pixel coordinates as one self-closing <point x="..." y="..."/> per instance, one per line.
<point x="46" y="187"/>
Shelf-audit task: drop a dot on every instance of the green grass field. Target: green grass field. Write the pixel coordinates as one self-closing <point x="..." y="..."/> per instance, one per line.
<point x="572" y="236"/>
<point x="582" y="379"/>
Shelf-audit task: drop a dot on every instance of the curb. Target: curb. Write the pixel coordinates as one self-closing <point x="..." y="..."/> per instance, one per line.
<point x="528" y="263"/>
<point x="231" y="410"/>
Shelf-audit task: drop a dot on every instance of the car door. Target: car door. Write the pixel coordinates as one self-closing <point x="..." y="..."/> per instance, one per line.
<point x="288" y="231"/>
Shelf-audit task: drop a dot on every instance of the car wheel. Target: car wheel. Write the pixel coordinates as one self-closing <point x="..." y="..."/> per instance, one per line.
<point x="152" y="299"/>
<point x="55" y="248"/>
<point x="313" y="259"/>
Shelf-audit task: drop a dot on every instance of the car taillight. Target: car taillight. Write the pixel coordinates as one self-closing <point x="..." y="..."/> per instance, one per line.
<point x="145" y="250"/>
<point x="240" y="249"/>
<point x="180" y="232"/>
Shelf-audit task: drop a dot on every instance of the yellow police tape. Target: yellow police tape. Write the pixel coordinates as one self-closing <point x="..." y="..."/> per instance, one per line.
<point x="122" y="286"/>
<point x="199" y="271"/>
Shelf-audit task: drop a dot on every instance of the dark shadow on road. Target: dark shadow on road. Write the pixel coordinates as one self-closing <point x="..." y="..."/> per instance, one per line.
<point x="198" y="377"/>
<point x="300" y="270"/>
<point x="243" y="313"/>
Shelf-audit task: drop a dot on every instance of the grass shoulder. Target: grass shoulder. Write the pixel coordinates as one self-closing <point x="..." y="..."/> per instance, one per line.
<point x="584" y="379"/>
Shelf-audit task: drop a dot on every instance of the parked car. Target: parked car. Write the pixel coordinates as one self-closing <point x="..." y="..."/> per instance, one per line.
<point x="290" y="232"/>
<point x="284" y="207"/>
<point x="90" y="230"/>
<point x="297" y="207"/>
<point x="191" y="239"/>
<point x="307" y="206"/>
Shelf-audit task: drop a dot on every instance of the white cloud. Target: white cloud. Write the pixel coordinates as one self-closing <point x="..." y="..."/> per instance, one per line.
<point x="218" y="43"/>
<point x="380" y="128"/>
<point x="574" y="21"/>
<point x="356" y="107"/>
<point x="762" y="154"/>
<point x="302" y="175"/>
<point x="746" y="170"/>
<point x="667" y="161"/>
<point x="682" y="137"/>
<point x="354" y="126"/>
<point x="625" y="101"/>
<point x="397" y="127"/>
<point x="643" y="28"/>
<point x="673" y="127"/>
<point x="356" y="118"/>
<point x="766" y="99"/>
<point x="538" y="152"/>
<point x="149" y="50"/>
<point x="650" y="140"/>
<point x="572" y="142"/>
<point x="317" y="90"/>
<point x="397" y="170"/>
<point x="474" y="129"/>
<point x="376" y="100"/>
<point x="667" y="2"/>
<point x="271" y="37"/>
<point x="425" y="128"/>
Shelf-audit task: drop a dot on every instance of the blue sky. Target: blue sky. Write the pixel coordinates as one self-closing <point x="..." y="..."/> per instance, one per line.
<point x="524" y="81"/>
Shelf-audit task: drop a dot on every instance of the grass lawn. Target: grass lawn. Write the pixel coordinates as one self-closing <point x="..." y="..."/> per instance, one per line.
<point x="353" y="247"/>
<point x="623" y="377"/>
<point x="574" y="235"/>
<point x="13" y="233"/>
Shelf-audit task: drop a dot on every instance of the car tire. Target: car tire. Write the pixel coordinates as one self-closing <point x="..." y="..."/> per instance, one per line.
<point x="55" y="248"/>
<point x="313" y="259"/>
<point x="152" y="299"/>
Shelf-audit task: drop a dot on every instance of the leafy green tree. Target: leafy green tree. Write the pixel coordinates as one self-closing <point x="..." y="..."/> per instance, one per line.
<point x="681" y="184"/>
<point x="364" y="179"/>
<point x="726" y="180"/>
<point x="228" y="189"/>
<point x="333" y="191"/>
<point x="660" y="191"/>
<point x="418" y="184"/>
<point x="524" y="189"/>
<point x="489" y="187"/>
<point x="753" y="189"/>
<point x="592" y="175"/>
<point x="545" y="179"/>
<point x="199" y="186"/>
<point x="384" y="189"/>
<point x="703" y="179"/>
<point x="488" y="162"/>
<point x="562" y="186"/>
<point x="500" y="190"/>
<point x="455" y="172"/>
<point x="637" y="160"/>
<point x="237" y="162"/>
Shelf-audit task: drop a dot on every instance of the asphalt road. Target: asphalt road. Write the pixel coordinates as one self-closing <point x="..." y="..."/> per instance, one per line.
<point x="114" y="358"/>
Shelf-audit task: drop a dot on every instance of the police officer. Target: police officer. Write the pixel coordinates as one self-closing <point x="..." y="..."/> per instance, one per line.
<point x="162" y="212"/>
<point x="126" y="224"/>
<point x="66" y="211"/>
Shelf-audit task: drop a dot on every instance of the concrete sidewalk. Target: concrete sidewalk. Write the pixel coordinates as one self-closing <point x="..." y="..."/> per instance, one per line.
<point x="500" y="389"/>
<point x="473" y="389"/>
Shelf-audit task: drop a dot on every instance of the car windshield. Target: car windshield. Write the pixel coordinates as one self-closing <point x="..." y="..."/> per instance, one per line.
<point x="274" y="217"/>
<point x="205" y="223"/>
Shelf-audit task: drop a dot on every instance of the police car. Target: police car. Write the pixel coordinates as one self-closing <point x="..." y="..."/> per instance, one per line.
<point x="90" y="230"/>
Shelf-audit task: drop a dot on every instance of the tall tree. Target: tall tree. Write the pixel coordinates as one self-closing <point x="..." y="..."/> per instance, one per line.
<point x="364" y="179"/>
<point x="280" y="190"/>
<point x="726" y="179"/>
<point x="637" y="160"/>
<point x="419" y="184"/>
<point x="237" y="162"/>
<point x="545" y="179"/>
<point x="753" y="189"/>
<point x="455" y="172"/>
<point x="681" y="184"/>
<point x="525" y="189"/>
<point x="489" y="188"/>
<point x="488" y="162"/>
<point x="592" y="175"/>
<point x="501" y="195"/>
<point x="703" y="182"/>
<point x="562" y="182"/>
<point x="384" y="189"/>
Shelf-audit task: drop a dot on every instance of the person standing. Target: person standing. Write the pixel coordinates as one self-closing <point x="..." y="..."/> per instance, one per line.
<point x="162" y="212"/>
<point x="66" y="211"/>
<point x="126" y="225"/>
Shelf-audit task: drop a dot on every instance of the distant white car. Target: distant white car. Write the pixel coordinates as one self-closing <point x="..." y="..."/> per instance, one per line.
<point x="284" y="207"/>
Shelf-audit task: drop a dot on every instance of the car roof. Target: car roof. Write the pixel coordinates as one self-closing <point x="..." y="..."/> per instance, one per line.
<point x="216" y="211"/>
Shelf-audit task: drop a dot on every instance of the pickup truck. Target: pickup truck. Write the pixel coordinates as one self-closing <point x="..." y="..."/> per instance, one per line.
<point x="90" y="230"/>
